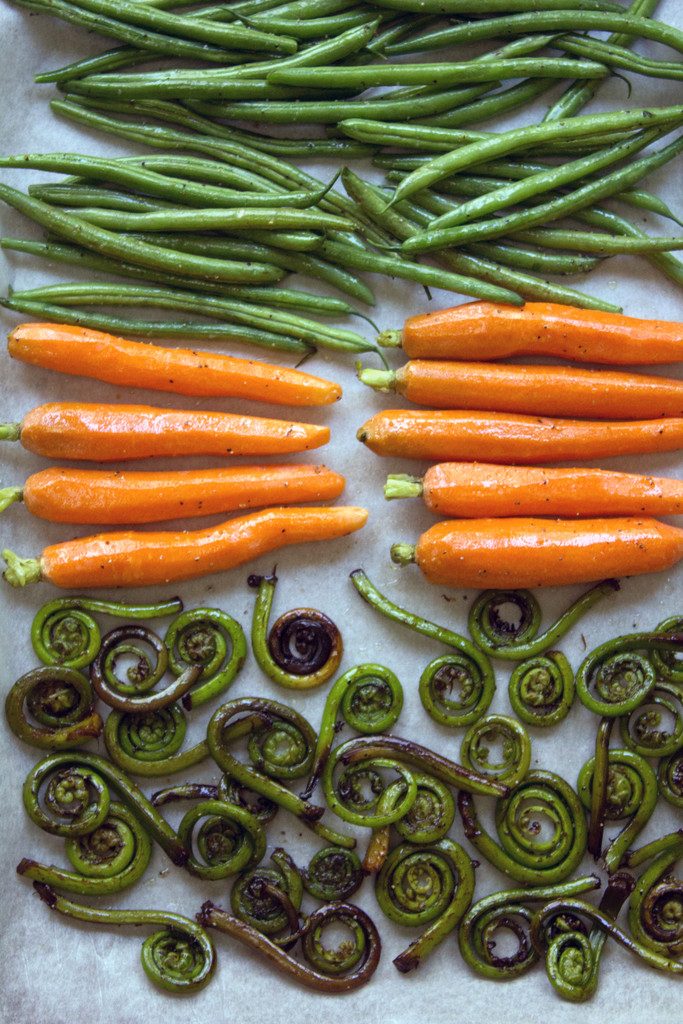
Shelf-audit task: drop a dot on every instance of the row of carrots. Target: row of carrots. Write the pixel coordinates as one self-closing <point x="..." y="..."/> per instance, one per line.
<point x="490" y="428"/>
<point x="106" y="433"/>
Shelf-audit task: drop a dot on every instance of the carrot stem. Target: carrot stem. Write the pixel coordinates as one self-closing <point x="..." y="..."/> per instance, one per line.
<point x="402" y="554"/>
<point x="10" y="431"/>
<point x="380" y="380"/>
<point x="21" y="571"/>
<point x="8" y="495"/>
<point x="389" y="339"/>
<point x="402" y="485"/>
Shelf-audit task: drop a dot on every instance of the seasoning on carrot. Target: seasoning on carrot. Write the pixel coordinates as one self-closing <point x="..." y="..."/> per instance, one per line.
<point x="113" y="496"/>
<point x="107" y="433"/>
<point x="90" y="353"/>
<point x="137" y="559"/>
<point x="526" y="552"/>
<point x="544" y="390"/>
<point x="474" y="489"/>
<point x="486" y="330"/>
<point x="506" y="437"/>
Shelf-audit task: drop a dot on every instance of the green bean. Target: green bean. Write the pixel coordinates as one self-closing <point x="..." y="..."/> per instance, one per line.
<point x="118" y="87"/>
<point x="485" y="6"/>
<point x="491" y="106"/>
<point x="604" y="244"/>
<point x="109" y="243"/>
<point x="210" y="219"/>
<point x="524" y="138"/>
<point x="620" y="57"/>
<point x="534" y="259"/>
<point x="74" y="196"/>
<point x="315" y="28"/>
<point x="428" y="74"/>
<point x="396" y="30"/>
<point x="553" y="209"/>
<point x="669" y="265"/>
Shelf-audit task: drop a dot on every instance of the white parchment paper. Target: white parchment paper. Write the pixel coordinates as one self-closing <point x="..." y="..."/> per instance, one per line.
<point x="55" y="971"/>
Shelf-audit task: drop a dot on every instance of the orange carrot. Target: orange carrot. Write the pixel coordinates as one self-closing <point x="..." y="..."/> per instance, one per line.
<point x="88" y="353"/>
<point x="485" y="330"/>
<point x="107" y="433"/>
<point x="111" y="496"/>
<point x="545" y="390"/>
<point x="514" y="553"/>
<point x="506" y="437"/>
<point x="474" y="489"/>
<point x="130" y="559"/>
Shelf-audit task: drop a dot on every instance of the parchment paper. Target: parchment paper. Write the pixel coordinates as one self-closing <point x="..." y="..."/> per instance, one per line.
<point x="58" y="972"/>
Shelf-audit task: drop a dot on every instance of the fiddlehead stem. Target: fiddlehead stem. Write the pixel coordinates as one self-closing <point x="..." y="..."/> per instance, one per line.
<point x="230" y="840"/>
<point x="541" y="689"/>
<point x="516" y="637"/>
<point x="528" y="851"/>
<point x="333" y="874"/>
<point x="655" y="913"/>
<point x="431" y="885"/>
<point x="631" y="792"/>
<point x="508" y="911"/>
<point x="670" y="778"/>
<point x="454" y="691"/>
<point x="514" y="760"/>
<point x="329" y="971"/>
<point x="668" y="666"/>
<point x="621" y="673"/>
<point x="371" y="698"/>
<point x="210" y="638"/>
<point x="644" y="729"/>
<point x="179" y="958"/>
<point x="77" y="797"/>
<point x="133" y="694"/>
<point x="61" y="703"/>
<point x="148" y="744"/>
<point x="106" y="861"/>
<point x="252" y="898"/>
<point x="65" y="633"/>
<point x="304" y="647"/>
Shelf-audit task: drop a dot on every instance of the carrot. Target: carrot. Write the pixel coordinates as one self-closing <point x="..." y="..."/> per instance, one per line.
<point x="106" y="433"/>
<point x="471" y="490"/>
<point x="514" y="553"/>
<point x="506" y="437"/>
<point x="130" y="559"/>
<point x="135" y="364"/>
<point x="111" y="496"/>
<point x="486" y="330"/>
<point x="545" y="390"/>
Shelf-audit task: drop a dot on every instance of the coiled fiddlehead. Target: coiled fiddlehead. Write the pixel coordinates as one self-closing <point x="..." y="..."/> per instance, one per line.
<point x="333" y="874"/>
<point x="527" y="852"/>
<point x="515" y="757"/>
<point x="630" y="792"/>
<point x="508" y="911"/>
<point x="516" y="638"/>
<point x="644" y="730"/>
<point x="252" y="898"/>
<point x="541" y="689"/>
<point x="432" y="813"/>
<point x="621" y="672"/>
<point x="77" y="799"/>
<point x="148" y="744"/>
<point x="230" y="840"/>
<point x="133" y="694"/>
<point x="670" y="778"/>
<point x="281" y="746"/>
<point x="328" y="971"/>
<point x="371" y="699"/>
<point x="668" y="666"/>
<point x="62" y="704"/>
<point x="179" y="958"/>
<point x="65" y="633"/>
<point x="362" y="796"/>
<point x="655" y="913"/>
<point x="210" y="638"/>
<point x="107" y="860"/>
<point x="470" y="670"/>
<point x="432" y="885"/>
<point x="303" y="649"/>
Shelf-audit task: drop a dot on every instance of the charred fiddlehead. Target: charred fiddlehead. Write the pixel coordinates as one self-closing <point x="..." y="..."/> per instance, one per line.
<point x="228" y="841"/>
<point x="541" y="689"/>
<point x="656" y="906"/>
<point x="211" y="639"/>
<point x="257" y="897"/>
<point x="228" y="790"/>
<point x="670" y="778"/>
<point x="53" y="708"/>
<point x="333" y="874"/>
<point x="148" y="744"/>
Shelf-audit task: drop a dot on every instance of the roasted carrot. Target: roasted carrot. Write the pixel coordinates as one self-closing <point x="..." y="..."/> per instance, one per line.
<point x="544" y="390"/>
<point x="486" y="330"/>
<point x="112" y="496"/>
<point x="135" y="364"/>
<point x="107" y="433"/>
<point x="130" y="559"/>
<point x="506" y="437"/>
<point x="473" y="489"/>
<point x="513" y="553"/>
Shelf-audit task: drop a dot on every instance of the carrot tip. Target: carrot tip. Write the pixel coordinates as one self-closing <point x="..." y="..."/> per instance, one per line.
<point x="402" y="554"/>
<point x="8" y="495"/>
<point x="402" y="485"/>
<point x="21" y="571"/>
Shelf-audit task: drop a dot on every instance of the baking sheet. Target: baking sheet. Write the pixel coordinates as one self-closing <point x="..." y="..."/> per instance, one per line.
<point x="55" y="971"/>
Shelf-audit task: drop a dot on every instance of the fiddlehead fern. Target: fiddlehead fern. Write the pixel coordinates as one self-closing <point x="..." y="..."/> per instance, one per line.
<point x="621" y="673"/>
<point x="252" y="898"/>
<point x="431" y="815"/>
<point x="513" y="762"/>
<point x="61" y="703"/>
<point x="210" y="638"/>
<point x="670" y="778"/>
<point x="333" y="874"/>
<point x="515" y="637"/>
<point x="228" y="790"/>
<point x="668" y="666"/>
<point x="303" y="648"/>
<point x="228" y="841"/>
<point x="655" y="913"/>
<point x="65" y="633"/>
<point x="644" y="730"/>
<point x="541" y="689"/>
<point x="148" y="744"/>
<point x="132" y="694"/>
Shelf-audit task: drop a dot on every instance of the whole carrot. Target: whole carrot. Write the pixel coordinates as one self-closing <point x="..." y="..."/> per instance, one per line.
<point x="486" y="330"/>
<point x="505" y="437"/>
<point x="89" y="353"/>
<point x="514" y="553"/>
<point x="110" y="497"/>
<point x="546" y="390"/>
<point x="474" y="489"/>
<point x="130" y="559"/>
<point x="107" y="433"/>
